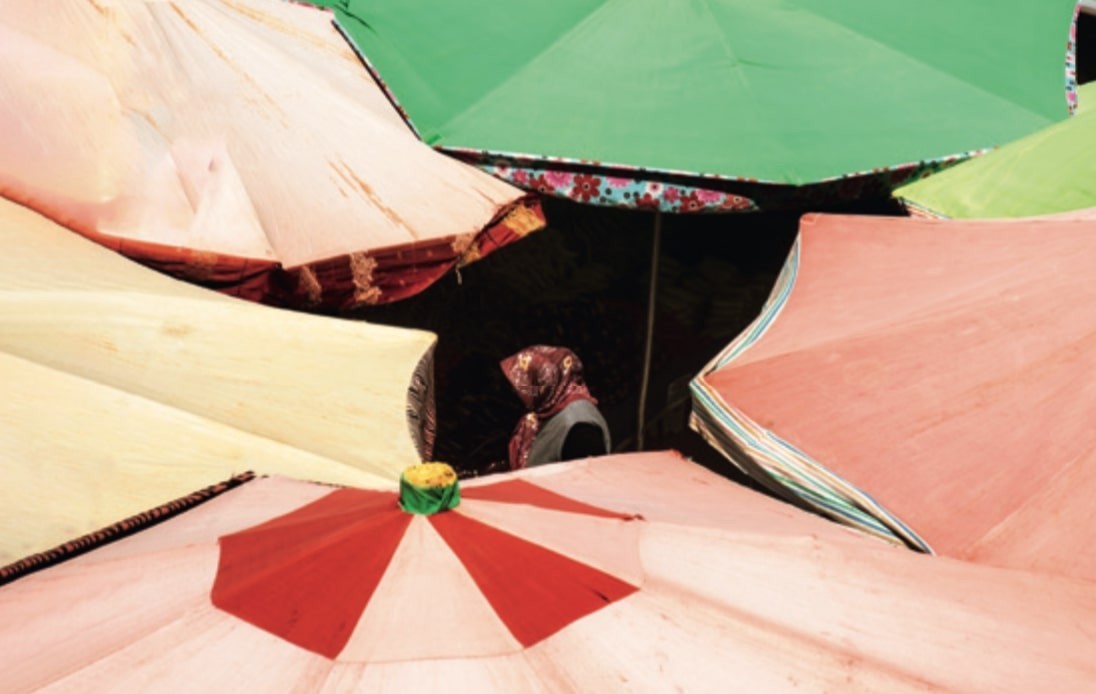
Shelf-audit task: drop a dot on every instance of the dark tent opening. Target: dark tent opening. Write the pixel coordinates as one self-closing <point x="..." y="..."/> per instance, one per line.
<point x="583" y="283"/>
<point x="1086" y="45"/>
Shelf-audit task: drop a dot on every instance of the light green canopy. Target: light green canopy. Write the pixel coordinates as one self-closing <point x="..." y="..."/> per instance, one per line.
<point x="781" y="91"/>
<point x="1049" y="172"/>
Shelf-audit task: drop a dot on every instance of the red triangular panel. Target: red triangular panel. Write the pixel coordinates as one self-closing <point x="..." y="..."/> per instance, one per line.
<point x="535" y="591"/>
<point x="308" y="575"/>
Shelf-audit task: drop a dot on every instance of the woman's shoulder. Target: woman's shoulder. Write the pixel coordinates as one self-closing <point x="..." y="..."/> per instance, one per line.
<point x="580" y="411"/>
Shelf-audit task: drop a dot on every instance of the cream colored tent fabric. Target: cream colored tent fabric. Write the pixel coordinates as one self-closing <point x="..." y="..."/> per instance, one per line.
<point x="123" y="388"/>
<point x="235" y="143"/>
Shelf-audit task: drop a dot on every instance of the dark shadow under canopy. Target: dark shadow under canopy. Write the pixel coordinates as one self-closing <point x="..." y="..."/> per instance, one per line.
<point x="583" y="283"/>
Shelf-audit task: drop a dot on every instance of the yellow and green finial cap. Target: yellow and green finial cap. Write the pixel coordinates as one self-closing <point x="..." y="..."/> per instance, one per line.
<point x="429" y="488"/>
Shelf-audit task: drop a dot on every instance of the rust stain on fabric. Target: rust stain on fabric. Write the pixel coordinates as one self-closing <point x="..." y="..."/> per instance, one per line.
<point x="347" y="174"/>
<point x="243" y="75"/>
<point x="177" y="329"/>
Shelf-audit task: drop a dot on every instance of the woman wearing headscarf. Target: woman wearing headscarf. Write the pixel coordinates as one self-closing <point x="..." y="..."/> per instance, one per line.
<point x="563" y="421"/>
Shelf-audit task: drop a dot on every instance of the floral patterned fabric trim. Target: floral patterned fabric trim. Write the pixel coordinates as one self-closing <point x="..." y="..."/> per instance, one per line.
<point x="615" y="191"/>
<point x="117" y="531"/>
<point x="688" y="195"/>
<point x="1071" y="62"/>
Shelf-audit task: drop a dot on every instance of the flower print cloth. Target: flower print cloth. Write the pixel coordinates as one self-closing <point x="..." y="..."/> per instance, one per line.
<point x="547" y="379"/>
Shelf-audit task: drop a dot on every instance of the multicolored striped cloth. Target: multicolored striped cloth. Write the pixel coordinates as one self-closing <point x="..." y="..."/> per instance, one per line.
<point x="774" y="462"/>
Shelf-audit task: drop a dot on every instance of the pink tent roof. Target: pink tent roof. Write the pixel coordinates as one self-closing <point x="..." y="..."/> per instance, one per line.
<point x="926" y="380"/>
<point x="639" y="571"/>
<point x="240" y="145"/>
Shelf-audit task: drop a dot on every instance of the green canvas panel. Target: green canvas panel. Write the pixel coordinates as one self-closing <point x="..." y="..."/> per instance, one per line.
<point x="1048" y="172"/>
<point x="784" y="91"/>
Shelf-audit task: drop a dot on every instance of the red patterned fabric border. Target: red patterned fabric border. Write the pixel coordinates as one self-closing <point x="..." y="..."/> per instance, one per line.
<point x="391" y="274"/>
<point x="118" y="530"/>
<point x="386" y="275"/>
<point x="369" y="277"/>
<point x="248" y="278"/>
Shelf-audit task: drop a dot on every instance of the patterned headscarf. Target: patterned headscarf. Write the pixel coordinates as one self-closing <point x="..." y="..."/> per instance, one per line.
<point x="547" y="379"/>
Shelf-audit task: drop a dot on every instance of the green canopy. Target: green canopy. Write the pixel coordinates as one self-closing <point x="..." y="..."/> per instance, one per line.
<point x="1049" y="172"/>
<point x="716" y="93"/>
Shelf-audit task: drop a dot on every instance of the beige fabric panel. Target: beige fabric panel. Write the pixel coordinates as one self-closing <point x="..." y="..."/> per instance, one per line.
<point x="124" y="389"/>
<point x="247" y="128"/>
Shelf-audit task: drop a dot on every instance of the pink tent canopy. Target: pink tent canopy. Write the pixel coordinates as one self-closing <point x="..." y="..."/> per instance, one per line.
<point x="928" y="381"/>
<point x="240" y="145"/>
<point x="639" y="571"/>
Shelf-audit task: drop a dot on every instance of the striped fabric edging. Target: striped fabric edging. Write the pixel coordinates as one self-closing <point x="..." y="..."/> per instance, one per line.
<point x="916" y="209"/>
<point x="117" y="531"/>
<point x="729" y="430"/>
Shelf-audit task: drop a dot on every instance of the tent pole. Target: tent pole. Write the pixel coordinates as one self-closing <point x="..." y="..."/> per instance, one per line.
<point x="652" y="291"/>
